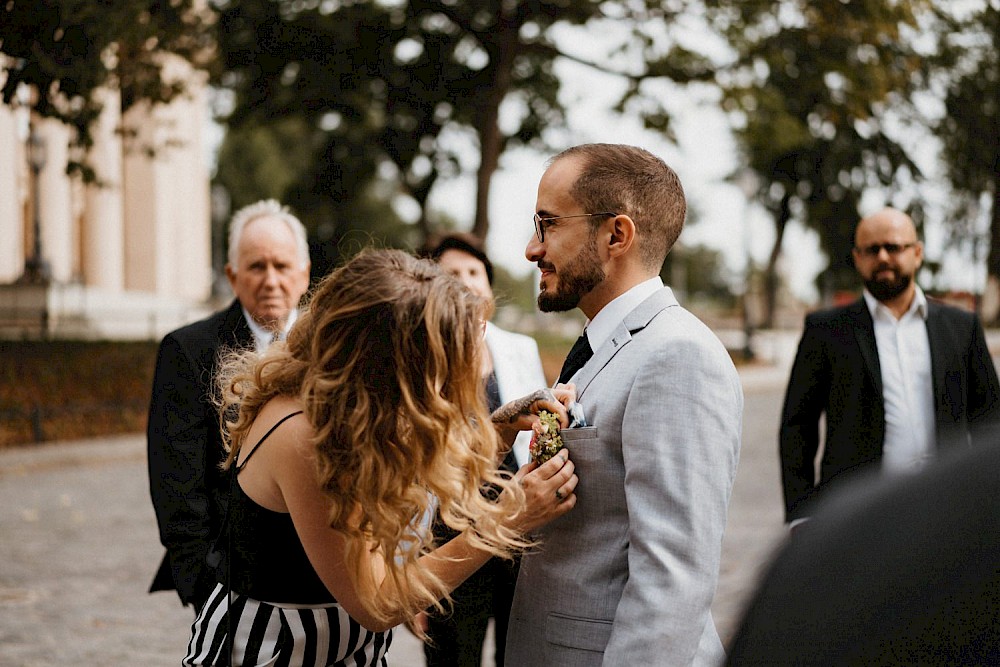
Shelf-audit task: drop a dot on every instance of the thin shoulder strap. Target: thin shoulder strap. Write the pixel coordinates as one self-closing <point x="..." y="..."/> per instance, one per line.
<point x="265" y="436"/>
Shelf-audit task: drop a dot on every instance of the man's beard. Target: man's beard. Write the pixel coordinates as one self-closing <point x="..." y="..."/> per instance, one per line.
<point x="888" y="289"/>
<point x="576" y="279"/>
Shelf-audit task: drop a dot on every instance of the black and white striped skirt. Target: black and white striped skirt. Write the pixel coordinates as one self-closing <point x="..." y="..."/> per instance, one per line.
<point x="282" y="636"/>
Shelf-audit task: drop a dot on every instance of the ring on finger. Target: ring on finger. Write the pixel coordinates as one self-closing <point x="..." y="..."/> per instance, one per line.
<point x="559" y="495"/>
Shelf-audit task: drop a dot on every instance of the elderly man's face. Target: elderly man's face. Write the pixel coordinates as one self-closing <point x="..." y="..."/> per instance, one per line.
<point x="269" y="278"/>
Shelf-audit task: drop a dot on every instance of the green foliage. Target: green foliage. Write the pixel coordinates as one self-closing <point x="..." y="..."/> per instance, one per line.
<point x="264" y="161"/>
<point x="290" y="161"/>
<point x="700" y="274"/>
<point x="378" y="84"/>
<point x="511" y="290"/>
<point x="809" y="91"/>
<point x="967" y="68"/>
<point x="65" y="50"/>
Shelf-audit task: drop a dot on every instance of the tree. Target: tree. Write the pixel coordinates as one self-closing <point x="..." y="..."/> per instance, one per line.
<point x="65" y="50"/>
<point x="967" y="71"/>
<point x="809" y="89"/>
<point x="382" y="83"/>
<point x="396" y="83"/>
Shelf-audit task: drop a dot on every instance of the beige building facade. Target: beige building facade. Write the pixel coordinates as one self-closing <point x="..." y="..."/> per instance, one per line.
<point x="126" y="258"/>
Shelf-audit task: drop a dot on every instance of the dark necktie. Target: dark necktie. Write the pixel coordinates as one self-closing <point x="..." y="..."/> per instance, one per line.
<point x="578" y="355"/>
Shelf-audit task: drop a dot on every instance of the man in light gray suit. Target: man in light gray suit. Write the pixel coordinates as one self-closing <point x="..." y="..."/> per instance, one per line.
<point x="628" y="577"/>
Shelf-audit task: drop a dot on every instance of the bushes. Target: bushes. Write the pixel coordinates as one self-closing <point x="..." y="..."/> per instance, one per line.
<point x="62" y="390"/>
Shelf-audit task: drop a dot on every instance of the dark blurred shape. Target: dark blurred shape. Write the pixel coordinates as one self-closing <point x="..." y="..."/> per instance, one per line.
<point x="903" y="572"/>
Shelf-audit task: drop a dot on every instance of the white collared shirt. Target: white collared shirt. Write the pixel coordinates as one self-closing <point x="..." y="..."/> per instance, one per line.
<point x="600" y="328"/>
<point x="904" y="355"/>
<point x="263" y="337"/>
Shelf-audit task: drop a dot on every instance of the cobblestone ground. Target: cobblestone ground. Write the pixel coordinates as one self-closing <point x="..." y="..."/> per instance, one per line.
<point x="79" y="547"/>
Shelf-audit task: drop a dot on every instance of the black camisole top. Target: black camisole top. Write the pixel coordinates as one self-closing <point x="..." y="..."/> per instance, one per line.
<point x="267" y="559"/>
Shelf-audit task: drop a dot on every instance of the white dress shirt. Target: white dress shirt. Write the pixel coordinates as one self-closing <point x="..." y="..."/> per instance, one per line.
<point x="904" y="355"/>
<point x="262" y="337"/>
<point x="607" y="320"/>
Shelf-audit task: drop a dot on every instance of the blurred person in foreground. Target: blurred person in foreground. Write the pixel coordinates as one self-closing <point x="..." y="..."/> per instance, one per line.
<point x="341" y="438"/>
<point x="511" y="367"/>
<point x="628" y="577"/>
<point x="899" y="377"/>
<point x="901" y="572"/>
<point x="268" y="269"/>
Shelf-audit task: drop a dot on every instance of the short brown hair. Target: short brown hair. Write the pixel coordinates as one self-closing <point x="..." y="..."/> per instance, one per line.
<point x="632" y="181"/>
<point x="463" y="241"/>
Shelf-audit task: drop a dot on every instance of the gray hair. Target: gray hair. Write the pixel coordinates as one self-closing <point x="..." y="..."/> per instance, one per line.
<point x="261" y="209"/>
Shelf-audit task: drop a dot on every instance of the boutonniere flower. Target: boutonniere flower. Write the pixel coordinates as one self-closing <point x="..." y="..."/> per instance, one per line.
<point x="546" y="441"/>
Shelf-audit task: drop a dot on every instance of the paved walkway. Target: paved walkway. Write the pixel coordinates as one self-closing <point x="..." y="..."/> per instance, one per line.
<point x="79" y="547"/>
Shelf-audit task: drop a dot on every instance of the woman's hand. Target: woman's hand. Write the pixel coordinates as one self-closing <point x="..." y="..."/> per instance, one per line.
<point x="419" y="625"/>
<point x="522" y="414"/>
<point x="549" y="491"/>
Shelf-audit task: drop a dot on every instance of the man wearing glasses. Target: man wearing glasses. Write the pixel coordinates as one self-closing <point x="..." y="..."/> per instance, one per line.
<point x="627" y="577"/>
<point x="899" y="377"/>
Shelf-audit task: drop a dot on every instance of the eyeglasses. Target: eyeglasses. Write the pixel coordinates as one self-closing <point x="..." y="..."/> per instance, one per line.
<point x="541" y="224"/>
<point x="892" y="249"/>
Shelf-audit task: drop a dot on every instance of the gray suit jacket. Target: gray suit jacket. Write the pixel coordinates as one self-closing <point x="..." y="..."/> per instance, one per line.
<point x="628" y="576"/>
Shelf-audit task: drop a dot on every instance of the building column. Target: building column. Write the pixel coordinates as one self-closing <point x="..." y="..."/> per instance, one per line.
<point x="146" y="238"/>
<point x="13" y="171"/>
<point x="55" y="206"/>
<point x="103" y="250"/>
<point x="166" y="195"/>
<point x="193" y="262"/>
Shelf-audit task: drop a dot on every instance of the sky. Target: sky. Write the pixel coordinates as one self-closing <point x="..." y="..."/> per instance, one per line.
<point x="703" y="158"/>
<point x="720" y="217"/>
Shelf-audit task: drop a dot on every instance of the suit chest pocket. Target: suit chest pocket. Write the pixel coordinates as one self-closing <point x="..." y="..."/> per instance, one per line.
<point x="583" y="443"/>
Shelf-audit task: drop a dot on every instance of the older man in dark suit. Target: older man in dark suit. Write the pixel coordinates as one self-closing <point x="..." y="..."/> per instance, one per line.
<point x="899" y="377"/>
<point x="268" y="270"/>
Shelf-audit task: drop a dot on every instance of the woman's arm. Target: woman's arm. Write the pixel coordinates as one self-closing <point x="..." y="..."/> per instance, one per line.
<point x="453" y="562"/>
<point x="521" y="414"/>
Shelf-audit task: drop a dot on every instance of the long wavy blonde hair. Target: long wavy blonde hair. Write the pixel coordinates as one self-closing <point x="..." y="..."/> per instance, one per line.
<point x="385" y="362"/>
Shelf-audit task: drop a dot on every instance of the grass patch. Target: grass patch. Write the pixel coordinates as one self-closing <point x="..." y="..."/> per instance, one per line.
<point x="63" y="390"/>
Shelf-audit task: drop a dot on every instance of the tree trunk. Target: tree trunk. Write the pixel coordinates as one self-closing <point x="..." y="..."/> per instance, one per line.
<point x="991" y="315"/>
<point x="420" y="194"/>
<point x="771" y="271"/>
<point x="487" y="127"/>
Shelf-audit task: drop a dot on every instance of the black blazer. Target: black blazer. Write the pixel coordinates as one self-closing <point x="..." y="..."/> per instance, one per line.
<point x="836" y="372"/>
<point x="185" y="449"/>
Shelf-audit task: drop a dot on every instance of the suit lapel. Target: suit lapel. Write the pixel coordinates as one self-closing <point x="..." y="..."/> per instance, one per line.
<point x="236" y="332"/>
<point x="936" y="341"/>
<point x="864" y="332"/>
<point x="635" y="321"/>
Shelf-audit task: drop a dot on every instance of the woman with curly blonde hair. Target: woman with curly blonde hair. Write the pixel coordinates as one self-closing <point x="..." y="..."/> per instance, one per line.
<point x="373" y="406"/>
